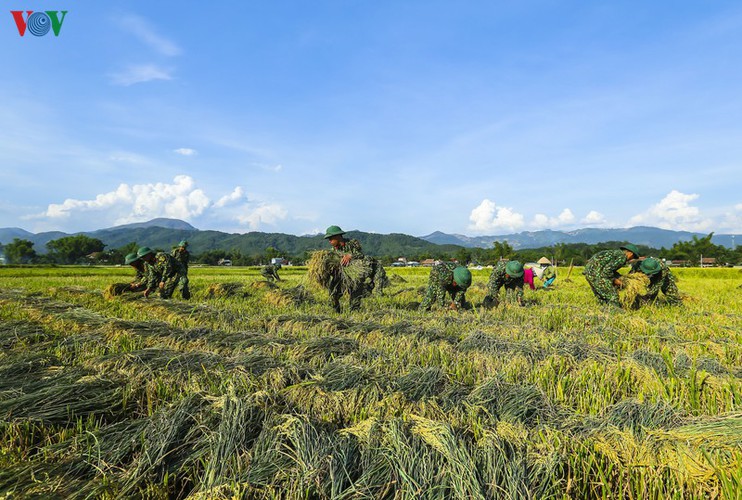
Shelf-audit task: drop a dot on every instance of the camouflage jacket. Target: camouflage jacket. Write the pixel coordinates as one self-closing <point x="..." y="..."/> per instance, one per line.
<point x="164" y="268"/>
<point x="662" y="281"/>
<point x="499" y="279"/>
<point x="353" y="247"/>
<point x="181" y="255"/>
<point x="440" y="284"/>
<point x="605" y="264"/>
<point x="141" y="278"/>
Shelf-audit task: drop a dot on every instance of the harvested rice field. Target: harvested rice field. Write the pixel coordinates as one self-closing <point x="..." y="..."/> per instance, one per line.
<point x="256" y="390"/>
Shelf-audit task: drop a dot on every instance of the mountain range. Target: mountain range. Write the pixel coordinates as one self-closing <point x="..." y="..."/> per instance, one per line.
<point x="165" y="233"/>
<point x="640" y="235"/>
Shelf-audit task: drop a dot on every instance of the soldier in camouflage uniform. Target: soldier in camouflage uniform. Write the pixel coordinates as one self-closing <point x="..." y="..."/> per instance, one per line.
<point x="350" y="250"/>
<point x="270" y="272"/>
<point x="140" y="282"/>
<point x="181" y="254"/>
<point x="447" y="279"/>
<point x="660" y="279"/>
<point x="164" y="273"/>
<point x="508" y="275"/>
<point x="601" y="272"/>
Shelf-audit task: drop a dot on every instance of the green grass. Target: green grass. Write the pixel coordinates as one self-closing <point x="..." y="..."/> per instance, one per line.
<point x="249" y="396"/>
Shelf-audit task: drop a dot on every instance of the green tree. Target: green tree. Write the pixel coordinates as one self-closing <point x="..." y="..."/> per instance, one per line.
<point x="20" y="251"/>
<point x="71" y="249"/>
<point x="502" y="250"/>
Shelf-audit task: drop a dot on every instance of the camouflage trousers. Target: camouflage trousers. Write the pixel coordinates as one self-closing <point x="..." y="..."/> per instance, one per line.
<point x="179" y="281"/>
<point x="355" y="295"/>
<point x="603" y="288"/>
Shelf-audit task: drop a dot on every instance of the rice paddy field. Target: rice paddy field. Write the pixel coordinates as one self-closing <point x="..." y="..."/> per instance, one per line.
<point x="257" y="391"/>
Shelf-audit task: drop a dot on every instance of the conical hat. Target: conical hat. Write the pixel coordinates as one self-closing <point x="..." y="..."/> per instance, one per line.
<point x="543" y="260"/>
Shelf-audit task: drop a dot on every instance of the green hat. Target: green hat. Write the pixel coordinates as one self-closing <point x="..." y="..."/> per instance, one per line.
<point x="650" y="266"/>
<point x="183" y="243"/>
<point x="144" y="251"/>
<point x="514" y="269"/>
<point x="131" y="258"/>
<point x="333" y="231"/>
<point x="462" y="277"/>
<point x="631" y="248"/>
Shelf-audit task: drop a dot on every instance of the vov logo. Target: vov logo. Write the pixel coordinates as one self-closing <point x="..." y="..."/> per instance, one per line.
<point x="38" y="23"/>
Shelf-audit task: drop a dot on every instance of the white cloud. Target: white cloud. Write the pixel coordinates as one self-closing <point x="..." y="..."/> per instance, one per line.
<point x="542" y="221"/>
<point x="266" y="213"/>
<point x="489" y="217"/>
<point x="674" y="212"/>
<point x="732" y="220"/>
<point x="230" y="198"/>
<point x="180" y="200"/>
<point x="141" y="73"/>
<point x="594" y="217"/>
<point x="146" y="33"/>
<point x="185" y="151"/>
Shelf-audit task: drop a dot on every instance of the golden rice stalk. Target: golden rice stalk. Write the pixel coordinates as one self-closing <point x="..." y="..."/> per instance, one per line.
<point x="324" y="269"/>
<point x="323" y="266"/>
<point x="287" y="297"/>
<point x="259" y="285"/>
<point x="114" y="290"/>
<point x="634" y="286"/>
<point x="218" y="290"/>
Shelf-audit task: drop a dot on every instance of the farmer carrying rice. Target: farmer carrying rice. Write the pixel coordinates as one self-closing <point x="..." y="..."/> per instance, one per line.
<point x="601" y="272"/>
<point x="508" y="275"/>
<point x="660" y="279"/>
<point x="447" y="278"/>
<point x="349" y="250"/>
<point x="270" y="272"/>
<point x="164" y="273"/>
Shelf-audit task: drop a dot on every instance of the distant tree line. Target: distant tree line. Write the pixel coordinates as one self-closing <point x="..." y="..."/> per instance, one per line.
<point x="81" y="249"/>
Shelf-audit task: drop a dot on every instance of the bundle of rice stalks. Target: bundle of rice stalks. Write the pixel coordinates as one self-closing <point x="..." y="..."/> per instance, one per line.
<point x="324" y="269"/>
<point x="115" y="289"/>
<point x="634" y="287"/>
<point x="288" y="297"/>
<point x="260" y="285"/>
<point x="396" y="278"/>
<point x="422" y="383"/>
<point x="221" y="290"/>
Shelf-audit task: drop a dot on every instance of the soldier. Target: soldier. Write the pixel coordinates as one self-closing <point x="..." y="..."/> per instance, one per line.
<point x="350" y="250"/>
<point x="447" y="278"/>
<point x="140" y="282"/>
<point x="505" y="274"/>
<point x="182" y="255"/>
<point x="660" y="279"/>
<point x="164" y="273"/>
<point x="270" y="272"/>
<point x="548" y="274"/>
<point x="601" y="272"/>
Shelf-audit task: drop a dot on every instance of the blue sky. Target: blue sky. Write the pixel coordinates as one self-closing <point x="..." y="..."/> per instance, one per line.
<point x="473" y="117"/>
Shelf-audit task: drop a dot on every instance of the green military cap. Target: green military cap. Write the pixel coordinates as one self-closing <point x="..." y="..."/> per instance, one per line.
<point x="462" y="277"/>
<point x="333" y="231"/>
<point x="144" y="251"/>
<point x="131" y="258"/>
<point x="183" y="243"/>
<point x="650" y="266"/>
<point x="514" y="269"/>
<point x="631" y="248"/>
